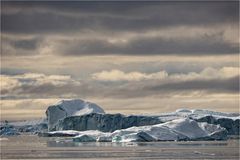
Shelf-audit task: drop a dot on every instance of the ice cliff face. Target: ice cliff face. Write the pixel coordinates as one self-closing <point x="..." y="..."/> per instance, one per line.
<point x="104" y="122"/>
<point x="232" y="125"/>
<point x="66" y="108"/>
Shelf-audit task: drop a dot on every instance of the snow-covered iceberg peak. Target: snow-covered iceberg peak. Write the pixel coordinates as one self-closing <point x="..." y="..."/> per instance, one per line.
<point x="66" y="108"/>
<point x="78" y="107"/>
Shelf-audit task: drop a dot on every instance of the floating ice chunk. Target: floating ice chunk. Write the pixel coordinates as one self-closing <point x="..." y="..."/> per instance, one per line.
<point x="104" y="139"/>
<point x="66" y="133"/>
<point x="8" y="130"/>
<point x="135" y="137"/>
<point x="84" y="138"/>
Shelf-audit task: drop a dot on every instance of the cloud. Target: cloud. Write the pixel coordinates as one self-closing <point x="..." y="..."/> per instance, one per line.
<point x="53" y="17"/>
<point x="37" y="84"/>
<point x="211" y="85"/>
<point x="200" y="45"/>
<point x="118" y="84"/>
<point x="116" y="75"/>
<point x="8" y="83"/>
<point x="19" y="46"/>
<point x="207" y="73"/>
<point x="120" y="28"/>
<point x="39" y="79"/>
<point x="212" y="43"/>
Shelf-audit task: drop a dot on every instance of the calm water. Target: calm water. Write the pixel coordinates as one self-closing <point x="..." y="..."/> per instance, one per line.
<point x="34" y="147"/>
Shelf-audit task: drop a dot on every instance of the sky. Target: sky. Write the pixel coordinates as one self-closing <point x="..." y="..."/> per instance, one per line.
<point x="128" y="57"/>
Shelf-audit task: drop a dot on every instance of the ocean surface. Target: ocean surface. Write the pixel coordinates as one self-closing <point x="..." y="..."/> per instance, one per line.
<point x="33" y="147"/>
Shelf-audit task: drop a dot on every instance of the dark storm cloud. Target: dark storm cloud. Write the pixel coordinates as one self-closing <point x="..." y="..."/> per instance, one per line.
<point x="221" y="85"/>
<point x="153" y="88"/>
<point x="20" y="46"/>
<point x="29" y="44"/>
<point x="55" y="17"/>
<point x="207" y="44"/>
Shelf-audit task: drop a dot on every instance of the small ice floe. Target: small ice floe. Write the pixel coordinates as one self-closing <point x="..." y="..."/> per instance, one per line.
<point x="8" y="130"/>
<point x="84" y="138"/>
<point x="3" y="139"/>
<point x="202" y="153"/>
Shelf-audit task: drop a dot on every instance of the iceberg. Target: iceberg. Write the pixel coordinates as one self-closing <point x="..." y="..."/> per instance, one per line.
<point x="104" y="122"/>
<point x="68" y="133"/>
<point x="183" y="124"/>
<point x="87" y="122"/>
<point x="66" y="108"/>
<point x="8" y="130"/>
<point x="230" y="121"/>
<point x="84" y="138"/>
<point x="175" y="130"/>
<point x="134" y="137"/>
<point x="231" y="124"/>
<point x="104" y="138"/>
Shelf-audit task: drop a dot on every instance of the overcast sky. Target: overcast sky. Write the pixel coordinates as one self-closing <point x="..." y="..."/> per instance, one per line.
<point x="129" y="57"/>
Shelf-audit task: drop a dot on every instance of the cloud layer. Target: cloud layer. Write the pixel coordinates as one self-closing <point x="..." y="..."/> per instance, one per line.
<point x="49" y="17"/>
<point x="115" y="28"/>
<point x="125" y="55"/>
<point x="116" y="83"/>
<point x="207" y="73"/>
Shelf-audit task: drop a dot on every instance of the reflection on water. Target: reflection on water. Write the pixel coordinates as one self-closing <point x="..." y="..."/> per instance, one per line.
<point x="34" y="147"/>
<point x="129" y="144"/>
<point x="67" y="142"/>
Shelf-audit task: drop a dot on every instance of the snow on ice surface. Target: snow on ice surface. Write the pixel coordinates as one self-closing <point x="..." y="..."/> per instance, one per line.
<point x="194" y="113"/>
<point x="77" y="107"/>
<point x="95" y="133"/>
<point x="66" y="108"/>
<point x="180" y="129"/>
<point x="204" y="112"/>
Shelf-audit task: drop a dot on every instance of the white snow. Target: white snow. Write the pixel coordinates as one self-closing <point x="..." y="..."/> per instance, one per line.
<point x="84" y="138"/>
<point x="179" y="129"/>
<point x="66" y="132"/>
<point x="196" y="113"/>
<point x="77" y="107"/>
<point x="205" y="112"/>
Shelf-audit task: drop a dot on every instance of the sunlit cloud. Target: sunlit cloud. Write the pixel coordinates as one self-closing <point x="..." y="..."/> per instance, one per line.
<point x="207" y="73"/>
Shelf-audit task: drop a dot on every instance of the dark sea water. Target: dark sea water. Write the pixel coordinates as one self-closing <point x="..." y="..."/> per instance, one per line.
<point x="34" y="147"/>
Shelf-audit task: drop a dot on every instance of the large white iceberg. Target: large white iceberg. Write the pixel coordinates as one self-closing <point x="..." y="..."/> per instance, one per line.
<point x="176" y="130"/>
<point x="66" y="108"/>
<point x="88" y="122"/>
